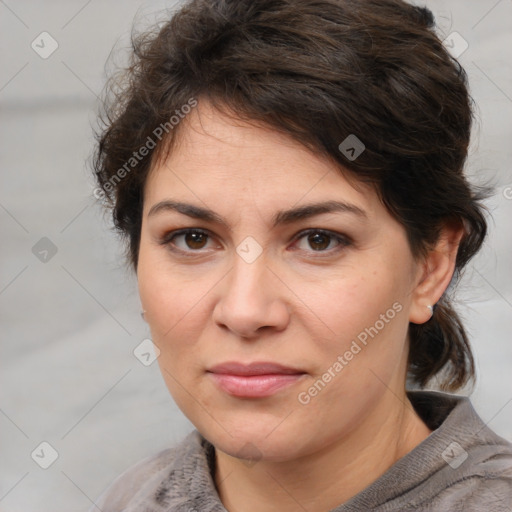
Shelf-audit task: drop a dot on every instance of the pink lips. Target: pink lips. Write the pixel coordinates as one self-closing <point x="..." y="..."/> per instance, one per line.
<point x="255" y="380"/>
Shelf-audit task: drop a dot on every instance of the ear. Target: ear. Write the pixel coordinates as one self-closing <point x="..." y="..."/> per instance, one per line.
<point x="435" y="273"/>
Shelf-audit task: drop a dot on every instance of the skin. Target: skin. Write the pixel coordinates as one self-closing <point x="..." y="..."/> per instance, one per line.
<point x="301" y="303"/>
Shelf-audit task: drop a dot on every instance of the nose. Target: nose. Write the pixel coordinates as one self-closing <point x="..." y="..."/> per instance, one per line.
<point x="251" y="300"/>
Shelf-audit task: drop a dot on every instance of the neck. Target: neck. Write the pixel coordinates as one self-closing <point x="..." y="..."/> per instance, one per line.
<point x="325" y="479"/>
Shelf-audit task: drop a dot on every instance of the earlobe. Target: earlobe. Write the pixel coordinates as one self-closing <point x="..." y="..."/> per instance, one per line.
<point x="437" y="271"/>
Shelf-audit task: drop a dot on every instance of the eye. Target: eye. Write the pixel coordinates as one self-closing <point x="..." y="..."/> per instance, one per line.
<point x="193" y="240"/>
<point x="188" y="240"/>
<point x="319" y="240"/>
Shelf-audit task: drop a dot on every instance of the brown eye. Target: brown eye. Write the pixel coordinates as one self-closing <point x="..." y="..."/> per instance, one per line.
<point x="188" y="240"/>
<point x="317" y="240"/>
<point x="196" y="240"/>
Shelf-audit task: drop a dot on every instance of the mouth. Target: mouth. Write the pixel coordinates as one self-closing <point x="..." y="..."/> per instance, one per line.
<point x="254" y="380"/>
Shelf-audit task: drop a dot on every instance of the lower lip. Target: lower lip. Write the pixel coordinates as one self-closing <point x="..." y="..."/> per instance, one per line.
<point x="254" y="386"/>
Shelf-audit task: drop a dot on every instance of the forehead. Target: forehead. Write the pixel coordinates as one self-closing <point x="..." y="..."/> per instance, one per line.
<point x="221" y="158"/>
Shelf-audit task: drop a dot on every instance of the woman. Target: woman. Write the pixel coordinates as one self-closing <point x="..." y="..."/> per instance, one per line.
<point x="289" y="178"/>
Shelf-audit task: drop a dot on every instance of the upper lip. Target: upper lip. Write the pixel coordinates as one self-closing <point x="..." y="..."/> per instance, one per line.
<point x="255" y="368"/>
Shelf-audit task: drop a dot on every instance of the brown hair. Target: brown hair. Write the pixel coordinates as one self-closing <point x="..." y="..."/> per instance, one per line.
<point x="319" y="71"/>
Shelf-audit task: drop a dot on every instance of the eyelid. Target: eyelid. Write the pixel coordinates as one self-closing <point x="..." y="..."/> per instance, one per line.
<point x="166" y="239"/>
<point x="169" y="235"/>
<point x="343" y="240"/>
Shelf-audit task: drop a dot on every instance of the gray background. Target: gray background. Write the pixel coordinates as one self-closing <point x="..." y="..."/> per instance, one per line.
<point x="70" y="324"/>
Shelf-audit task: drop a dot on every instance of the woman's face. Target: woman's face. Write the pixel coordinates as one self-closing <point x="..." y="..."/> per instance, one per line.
<point x="286" y="263"/>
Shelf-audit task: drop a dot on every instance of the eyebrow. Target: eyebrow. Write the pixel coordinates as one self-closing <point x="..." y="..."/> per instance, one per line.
<point x="280" y="218"/>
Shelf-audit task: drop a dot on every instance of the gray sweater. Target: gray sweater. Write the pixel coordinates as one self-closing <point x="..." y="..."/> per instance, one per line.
<point x="461" y="467"/>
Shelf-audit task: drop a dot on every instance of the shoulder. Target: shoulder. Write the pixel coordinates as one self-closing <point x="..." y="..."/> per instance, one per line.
<point x="486" y="482"/>
<point x="484" y="486"/>
<point x="145" y="477"/>
<point x="470" y="465"/>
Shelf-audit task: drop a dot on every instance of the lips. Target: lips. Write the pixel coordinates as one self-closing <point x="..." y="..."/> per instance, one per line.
<point x="254" y="380"/>
<point x="256" y="368"/>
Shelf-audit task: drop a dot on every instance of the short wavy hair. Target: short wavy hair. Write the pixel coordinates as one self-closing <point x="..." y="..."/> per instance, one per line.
<point x="318" y="71"/>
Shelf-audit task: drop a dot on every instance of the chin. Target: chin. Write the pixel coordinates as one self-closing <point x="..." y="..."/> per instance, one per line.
<point x="253" y="442"/>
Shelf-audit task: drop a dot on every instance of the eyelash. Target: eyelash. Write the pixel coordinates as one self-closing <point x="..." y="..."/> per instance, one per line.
<point x="342" y="240"/>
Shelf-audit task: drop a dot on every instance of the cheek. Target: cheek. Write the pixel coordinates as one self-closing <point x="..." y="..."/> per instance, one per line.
<point x="175" y="312"/>
<point x="169" y="295"/>
<point x="349" y="303"/>
<point x="362" y="352"/>
<point x="178" y="308"/>
<point x="364" y="322"/>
